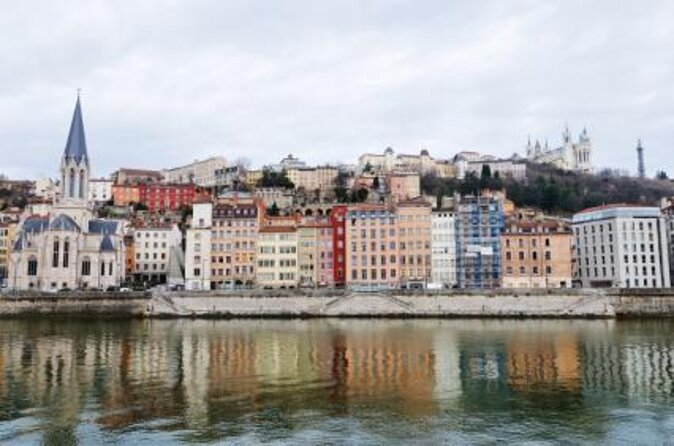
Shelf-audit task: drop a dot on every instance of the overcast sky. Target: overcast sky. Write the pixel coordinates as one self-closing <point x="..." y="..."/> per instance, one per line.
<point x="165" y="82"/>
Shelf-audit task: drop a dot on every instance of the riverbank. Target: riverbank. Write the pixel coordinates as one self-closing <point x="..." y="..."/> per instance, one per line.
<point x="343" y="303"/>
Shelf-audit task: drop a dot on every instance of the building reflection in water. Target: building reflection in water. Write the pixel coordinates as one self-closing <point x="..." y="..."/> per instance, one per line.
<point x="199" y="375"/>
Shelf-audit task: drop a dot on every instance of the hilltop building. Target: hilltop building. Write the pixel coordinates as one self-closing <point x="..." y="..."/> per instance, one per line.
<point x="574" y="156"/>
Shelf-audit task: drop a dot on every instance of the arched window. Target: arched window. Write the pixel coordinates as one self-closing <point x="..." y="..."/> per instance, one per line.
<point x="32" y="266"/>
<point x="86" y="266"/>
<point x="110" y="269"/>
<point x="66" y="253"/>
<point x="71" y="183"/>
<point x="55" y="254"/>
<point x="82" y="184"/>
<point x="102" y="269"/>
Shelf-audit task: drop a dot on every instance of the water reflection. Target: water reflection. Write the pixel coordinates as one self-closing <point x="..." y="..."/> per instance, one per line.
<point x="69" y="381"/>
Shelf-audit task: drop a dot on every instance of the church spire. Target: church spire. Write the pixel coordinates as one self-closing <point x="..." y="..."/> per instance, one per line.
<point x="76" y="146"/>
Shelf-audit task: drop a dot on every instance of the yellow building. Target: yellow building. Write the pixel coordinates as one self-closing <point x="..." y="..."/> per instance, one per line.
<point x="277" y="257"/>
<point x="251" y="178"/>
<point x="536" y="254"/>
<point x="7" y="234"/>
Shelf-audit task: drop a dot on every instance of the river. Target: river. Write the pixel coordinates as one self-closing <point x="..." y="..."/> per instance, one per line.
<point x="353" y="381"/>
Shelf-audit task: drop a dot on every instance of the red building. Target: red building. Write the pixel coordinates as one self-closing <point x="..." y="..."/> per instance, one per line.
<point x="158" y="197"/>
<point x="338" y="222"/>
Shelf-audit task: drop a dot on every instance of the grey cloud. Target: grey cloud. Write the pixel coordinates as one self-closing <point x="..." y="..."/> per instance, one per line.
<point x="165" y="82"/>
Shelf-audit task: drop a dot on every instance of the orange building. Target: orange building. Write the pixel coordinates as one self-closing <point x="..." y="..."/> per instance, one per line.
<point x="536" y="254"/>
<point x="125" y="194"/>
<point x="414" y="242"/>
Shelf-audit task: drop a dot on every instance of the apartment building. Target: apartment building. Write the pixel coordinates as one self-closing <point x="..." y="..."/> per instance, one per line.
<point x="621" y="246"/>
<point x="443" y="247"/>
<point x="200" y="172"/>
<point x="313" y="178"/>
<point x="372" y="247"/>
<point x="277" y="257"/>
<point x="233" y="243"/>
<point x="198" y="248"/>
<point x="163" y="197"/>
<point x="536" y="254"/>
<point x="414" y="242"/>
<point x="315" y="253"/>
<point x="152" y="245"/>
<point x="480" y="221"/>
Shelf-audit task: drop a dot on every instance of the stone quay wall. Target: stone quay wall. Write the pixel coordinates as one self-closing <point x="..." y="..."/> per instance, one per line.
<point x="344" y="303"/>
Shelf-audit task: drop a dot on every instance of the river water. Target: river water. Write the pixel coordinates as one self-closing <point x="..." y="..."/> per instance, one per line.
<point x="336" y="381"/>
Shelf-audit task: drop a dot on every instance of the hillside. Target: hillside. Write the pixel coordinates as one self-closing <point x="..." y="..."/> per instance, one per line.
<point x="556" y="191"/>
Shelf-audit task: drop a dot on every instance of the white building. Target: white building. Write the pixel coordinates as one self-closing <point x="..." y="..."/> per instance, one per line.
<point x="620" y="246"/>
<point x="68" y="247"/>
<point x="575" y="156"/>
<point x="443" y="248"/>
<point x="100" y="190"/>
<point x="200" y="172"/>
<point x="198" y="248"/>
<point x="153" y="243"/>
<point x="46" y="188"/>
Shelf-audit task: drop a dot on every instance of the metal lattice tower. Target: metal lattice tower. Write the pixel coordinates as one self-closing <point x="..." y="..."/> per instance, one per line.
<point x="641" y="169"/>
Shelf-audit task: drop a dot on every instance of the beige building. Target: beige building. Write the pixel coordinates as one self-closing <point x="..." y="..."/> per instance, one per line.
<point x="233" y="243"/>
<point x="404" y="186"/>
<point x="536" y="254"/>
<point x="200" y="172"/>
<point x="414" y="242"/>
<point x="315" y="253"/>
<point x="389" y="162"/>
<point x="277" y="257"/>
<point x="270" y="195"/>
<point x="313" y="178"/>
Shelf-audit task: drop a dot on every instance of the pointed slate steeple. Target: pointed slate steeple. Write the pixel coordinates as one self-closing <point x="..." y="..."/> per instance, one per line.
<point x="76" y="147"/>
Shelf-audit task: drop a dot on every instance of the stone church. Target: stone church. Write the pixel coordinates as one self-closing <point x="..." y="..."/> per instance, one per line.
<point x="68" y="247"/>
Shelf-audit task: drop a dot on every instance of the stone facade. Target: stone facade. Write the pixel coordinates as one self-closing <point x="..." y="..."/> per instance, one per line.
<point x="68" y="247"/>
<point x="536" y="254"/>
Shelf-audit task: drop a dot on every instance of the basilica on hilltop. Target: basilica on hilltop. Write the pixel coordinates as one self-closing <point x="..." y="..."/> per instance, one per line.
<point x="574" y="156"/>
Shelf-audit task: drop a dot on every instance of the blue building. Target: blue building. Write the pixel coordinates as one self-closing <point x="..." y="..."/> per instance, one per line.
<point x="479" y="223"/>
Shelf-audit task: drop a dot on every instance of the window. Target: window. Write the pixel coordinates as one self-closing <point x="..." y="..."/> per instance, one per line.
<point x="103" y="269"/>
<point x="55" y="255"/>
<point x="86" y="267"/>
<point x="32" y="266"/>
<point x="66" y="253"/>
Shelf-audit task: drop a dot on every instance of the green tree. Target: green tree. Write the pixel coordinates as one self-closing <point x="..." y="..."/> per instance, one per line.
<point x="273" y="210"/>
